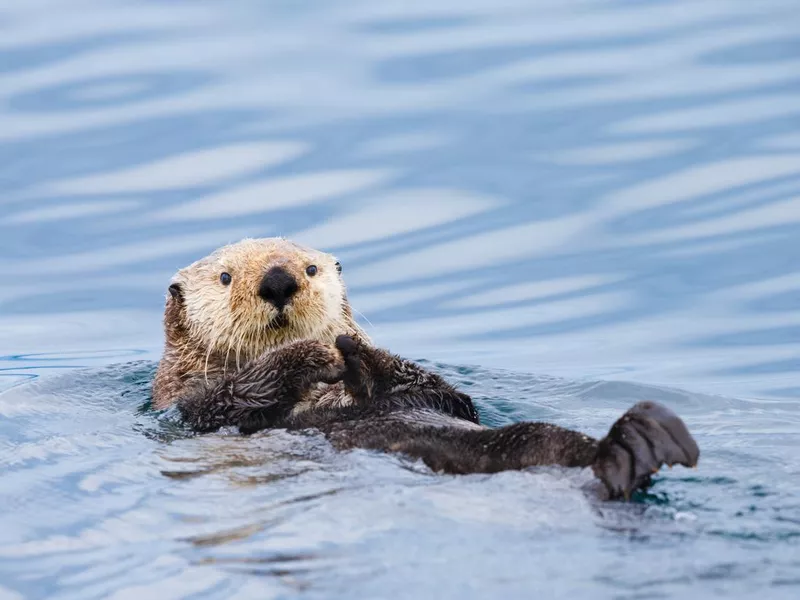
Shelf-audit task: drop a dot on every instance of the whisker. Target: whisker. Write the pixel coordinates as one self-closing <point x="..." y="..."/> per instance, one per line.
<point x="227" y="353"/>
<point x="363" y="316"/>
<point x="205" y="368"/>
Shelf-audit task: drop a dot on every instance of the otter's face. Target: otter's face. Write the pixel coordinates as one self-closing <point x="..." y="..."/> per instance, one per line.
<point x="253" y="295"/>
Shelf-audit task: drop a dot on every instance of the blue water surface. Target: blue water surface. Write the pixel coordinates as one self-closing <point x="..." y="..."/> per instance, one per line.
<point x="564" y="206"/>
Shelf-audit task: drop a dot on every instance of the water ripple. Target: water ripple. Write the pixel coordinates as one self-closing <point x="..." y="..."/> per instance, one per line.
<point x="596" y="201"/>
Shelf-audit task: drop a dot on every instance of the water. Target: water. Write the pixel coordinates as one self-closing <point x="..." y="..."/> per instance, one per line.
<point x="563" y="206"/>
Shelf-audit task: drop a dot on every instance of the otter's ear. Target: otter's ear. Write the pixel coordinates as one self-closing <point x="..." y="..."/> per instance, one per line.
<point x="176" y="291"/>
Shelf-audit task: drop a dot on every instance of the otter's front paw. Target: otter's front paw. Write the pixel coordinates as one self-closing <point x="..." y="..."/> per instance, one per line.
<point x="644" y="438"/>
<point x="353" y="378"/>
<point x="359" y="362"/>
<point x="314" y="362"/>
<point x="334" y="367"/>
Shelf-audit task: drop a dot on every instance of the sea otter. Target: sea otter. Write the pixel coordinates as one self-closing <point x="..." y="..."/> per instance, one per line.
<point x="260" y="334"/>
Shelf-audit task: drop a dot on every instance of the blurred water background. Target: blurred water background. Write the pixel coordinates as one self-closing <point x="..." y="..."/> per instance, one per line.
<point x="564" y="205"/>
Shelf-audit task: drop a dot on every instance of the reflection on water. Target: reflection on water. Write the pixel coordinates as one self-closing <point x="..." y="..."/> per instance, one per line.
<point x="593" y="189"/>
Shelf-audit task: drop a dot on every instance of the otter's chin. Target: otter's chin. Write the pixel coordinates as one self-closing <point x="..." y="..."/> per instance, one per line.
<point x="279" y="321"/>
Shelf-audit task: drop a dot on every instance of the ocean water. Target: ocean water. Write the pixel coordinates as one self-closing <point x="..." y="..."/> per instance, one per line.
<point x="564" y="206"/>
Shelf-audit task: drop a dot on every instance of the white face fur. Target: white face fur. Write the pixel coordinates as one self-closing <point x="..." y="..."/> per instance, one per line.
<point x="224" y="310"/>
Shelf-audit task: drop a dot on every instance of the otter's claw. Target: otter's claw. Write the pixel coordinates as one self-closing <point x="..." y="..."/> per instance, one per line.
<point x="644" y="438"/>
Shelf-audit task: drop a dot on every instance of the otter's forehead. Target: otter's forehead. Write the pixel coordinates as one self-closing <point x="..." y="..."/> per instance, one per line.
<point x="256" y="254"/>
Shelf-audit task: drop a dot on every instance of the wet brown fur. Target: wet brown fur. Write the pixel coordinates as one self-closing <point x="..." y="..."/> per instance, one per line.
<point x="228" y="363"/>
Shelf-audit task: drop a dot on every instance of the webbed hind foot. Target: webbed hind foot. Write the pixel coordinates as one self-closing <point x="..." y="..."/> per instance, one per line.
<point x="646" y="437"/>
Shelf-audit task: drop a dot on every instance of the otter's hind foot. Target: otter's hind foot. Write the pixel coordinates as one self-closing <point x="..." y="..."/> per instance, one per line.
<point x="644" y="438"/>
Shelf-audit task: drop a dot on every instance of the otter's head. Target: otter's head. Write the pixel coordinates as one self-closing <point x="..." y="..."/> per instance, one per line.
<point x="256" y="294"/>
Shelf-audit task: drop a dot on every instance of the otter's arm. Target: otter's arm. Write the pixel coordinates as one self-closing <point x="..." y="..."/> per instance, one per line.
<point x="638" y="444"/>
<point x="264" y="390"/>
<point x="381" y="380"/>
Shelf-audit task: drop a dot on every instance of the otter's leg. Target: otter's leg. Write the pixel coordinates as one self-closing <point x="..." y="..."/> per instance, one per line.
<point x="381" y="380"/>
<point x="644" y="438"/>
<point x="264" y="390"/>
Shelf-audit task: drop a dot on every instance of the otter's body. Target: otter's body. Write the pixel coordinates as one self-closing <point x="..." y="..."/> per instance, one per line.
<point x="260" y="334"/>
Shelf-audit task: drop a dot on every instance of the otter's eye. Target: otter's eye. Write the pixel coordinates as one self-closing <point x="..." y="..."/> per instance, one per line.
<point x="338" y="267"/>
<point x="225" y="279"/>
<point x="311" y="270"/>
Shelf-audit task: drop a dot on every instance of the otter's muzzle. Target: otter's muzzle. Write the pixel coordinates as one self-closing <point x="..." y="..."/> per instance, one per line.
<point x="277" y="287"/>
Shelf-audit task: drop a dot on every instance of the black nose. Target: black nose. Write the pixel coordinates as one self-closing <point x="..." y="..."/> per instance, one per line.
<point x="277" y="287"/>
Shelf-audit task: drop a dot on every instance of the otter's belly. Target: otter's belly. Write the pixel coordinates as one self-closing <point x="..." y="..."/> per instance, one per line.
<point x="322" y="396"/>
